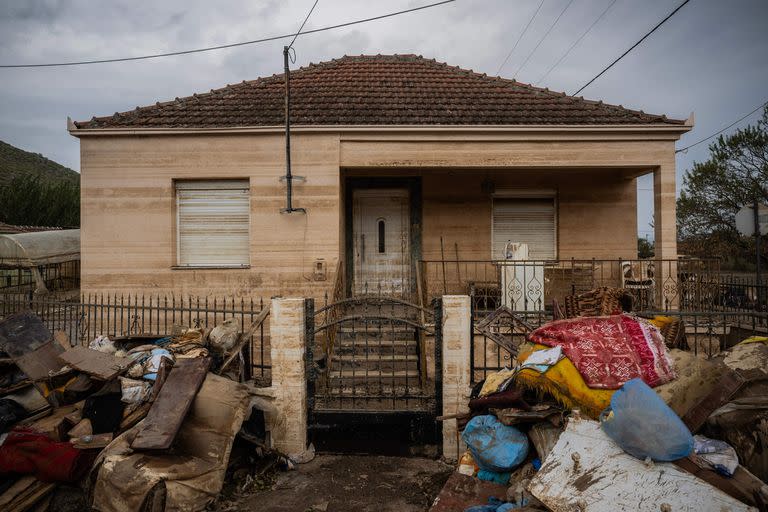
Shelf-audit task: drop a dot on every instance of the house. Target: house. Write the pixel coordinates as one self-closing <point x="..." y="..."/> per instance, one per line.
<point x="398" y="159"/>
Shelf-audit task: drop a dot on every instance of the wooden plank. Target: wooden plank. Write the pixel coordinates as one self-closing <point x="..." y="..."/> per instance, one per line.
<point x="100" y="365"/>
<point x="27" y="341"/>
<point x="245" y="336"/>
<point x="730" y="383"/>
<point x="172" y="404"/>
<point x="92" y="441"/>
<point x="743" y="485"/>
<point x="586" y="470"/>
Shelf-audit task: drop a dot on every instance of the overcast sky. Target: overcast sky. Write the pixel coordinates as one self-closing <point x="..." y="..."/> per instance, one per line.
<point x="711" y="58"/>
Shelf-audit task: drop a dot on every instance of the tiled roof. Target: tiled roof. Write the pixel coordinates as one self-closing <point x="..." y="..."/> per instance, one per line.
<point x="377" y="90"/>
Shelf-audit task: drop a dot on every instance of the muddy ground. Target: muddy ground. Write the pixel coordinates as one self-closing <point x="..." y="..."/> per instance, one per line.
<point x="344" y="483"/>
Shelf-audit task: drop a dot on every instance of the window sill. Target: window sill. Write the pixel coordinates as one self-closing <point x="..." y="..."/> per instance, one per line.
<point x="210" y="267"/>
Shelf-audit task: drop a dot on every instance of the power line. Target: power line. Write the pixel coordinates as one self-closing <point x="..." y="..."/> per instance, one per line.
<point x="521" y="36"/>
<point x="568" y="51"/>
<point x="632" y="47"/>
<point x="542" y="39"/>
<point x="686" y="148"/>
<point x="223" y="46"/>
<point x="303" y="23"/>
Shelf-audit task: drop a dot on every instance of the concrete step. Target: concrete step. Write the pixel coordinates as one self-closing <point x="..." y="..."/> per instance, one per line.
<point x="378" y="348"/>
<point x="361" y="364"/>
<point x="343" y="378"/>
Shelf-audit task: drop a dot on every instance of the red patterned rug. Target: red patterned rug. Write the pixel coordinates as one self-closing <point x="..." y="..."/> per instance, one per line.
<point x="610" y="350"/>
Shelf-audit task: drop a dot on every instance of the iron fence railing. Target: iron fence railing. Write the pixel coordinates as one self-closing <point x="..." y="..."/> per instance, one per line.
<point x="669" y="285"/>
<point x="89" y="315"/>
<point x="17" y="276"/>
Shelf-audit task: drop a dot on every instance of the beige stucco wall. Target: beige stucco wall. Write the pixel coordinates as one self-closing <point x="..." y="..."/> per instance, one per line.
<point x="128" y="212"/>
<point x="128" y="199"/>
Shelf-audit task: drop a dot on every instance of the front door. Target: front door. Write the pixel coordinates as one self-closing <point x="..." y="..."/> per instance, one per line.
<point x="381" y="242"/>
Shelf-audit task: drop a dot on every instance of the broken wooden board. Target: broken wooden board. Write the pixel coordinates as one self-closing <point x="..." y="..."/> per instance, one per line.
<point x="586" y="470"/>
<point x="730" y="384"/>
<point x="97" y="364"/>
<point x="24" y="493"/>
<point x="92" y="441"/>
<point x="743" y="485"/>
<point x="27" y="341"/>
<point x="462" y="491"/>
<point x="172" y="404"/>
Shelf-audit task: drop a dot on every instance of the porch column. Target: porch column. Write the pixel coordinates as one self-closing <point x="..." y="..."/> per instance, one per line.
<point x="665" y="234"/>
<point x="457" y="371"/>
<point x="289" y="380"/>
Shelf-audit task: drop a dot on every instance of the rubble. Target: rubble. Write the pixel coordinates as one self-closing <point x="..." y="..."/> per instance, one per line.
<point x="618" y="417"/>
<point x="129" y="422"/>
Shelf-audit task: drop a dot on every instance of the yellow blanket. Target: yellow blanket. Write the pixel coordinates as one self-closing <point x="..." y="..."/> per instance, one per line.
<point x="564" y="382"/>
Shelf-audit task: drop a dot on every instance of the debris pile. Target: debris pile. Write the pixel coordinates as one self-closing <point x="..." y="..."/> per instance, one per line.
<point x="125" y="424"/>
<point x="603" y="412"/>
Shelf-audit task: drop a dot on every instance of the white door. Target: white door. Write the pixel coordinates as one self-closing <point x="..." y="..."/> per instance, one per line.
<point x="380" y="227"/>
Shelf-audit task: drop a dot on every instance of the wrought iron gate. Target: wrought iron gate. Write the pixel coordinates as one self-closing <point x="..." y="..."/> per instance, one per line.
<point x="374" y="355"/>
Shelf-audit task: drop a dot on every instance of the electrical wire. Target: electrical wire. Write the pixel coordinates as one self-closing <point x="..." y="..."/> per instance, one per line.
<point x="519" y="38"/>
<point x="632" y="47"/>
<point x="542" y="39"/>
<point x="582" y="36"/>
<point x="303" y="23"/>
<point x="223" y="46"/>
<point x="686" y="148"/>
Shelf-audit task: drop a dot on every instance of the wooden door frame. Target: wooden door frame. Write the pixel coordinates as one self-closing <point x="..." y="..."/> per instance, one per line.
<point x="413" y="185"/>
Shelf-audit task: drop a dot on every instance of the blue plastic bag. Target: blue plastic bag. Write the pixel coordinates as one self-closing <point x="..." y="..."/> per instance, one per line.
<point x="495" y="446"/>
<point x="644" y="426"/>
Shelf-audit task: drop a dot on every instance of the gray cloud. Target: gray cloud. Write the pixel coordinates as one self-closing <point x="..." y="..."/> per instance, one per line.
<point x="710" y="58"/>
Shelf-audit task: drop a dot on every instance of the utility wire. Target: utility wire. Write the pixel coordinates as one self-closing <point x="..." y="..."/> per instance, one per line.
<point x="632" y="47"/>
<point x="575" y="43"/>
<point x="542" y="39"/>
<point x="519" y="38"/>
<point x="686" y="148"/>
<point x="303" y="23"/>
<point x="223" y="46"/>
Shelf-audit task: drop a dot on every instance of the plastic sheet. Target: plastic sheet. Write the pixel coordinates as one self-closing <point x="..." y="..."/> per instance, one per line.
<point x="495" y="446"/>
<point x="644" y="426"/>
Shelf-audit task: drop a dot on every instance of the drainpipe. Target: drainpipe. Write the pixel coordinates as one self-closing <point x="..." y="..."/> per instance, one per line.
<point x="288" y="178"/>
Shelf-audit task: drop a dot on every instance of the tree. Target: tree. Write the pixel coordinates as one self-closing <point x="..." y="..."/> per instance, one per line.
<point x="27" y="200"/>
<point x="645" y="248"/>
<point x="735" y="175"/>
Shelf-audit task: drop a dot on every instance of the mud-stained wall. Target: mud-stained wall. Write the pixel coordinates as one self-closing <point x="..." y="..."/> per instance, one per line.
<point x="128" y="208"/>
<point x="128" y="212"/>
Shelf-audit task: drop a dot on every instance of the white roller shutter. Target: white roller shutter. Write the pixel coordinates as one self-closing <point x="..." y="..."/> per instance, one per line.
<point x="212" y="223"/>
<point x="527" y="220"/>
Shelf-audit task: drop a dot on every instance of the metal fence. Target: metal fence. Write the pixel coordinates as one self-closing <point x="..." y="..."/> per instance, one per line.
<point x="706" y="334"/>
<point x="17" y="277"/>
<point x="90" y="315"/>
<point x="668" y="285"/>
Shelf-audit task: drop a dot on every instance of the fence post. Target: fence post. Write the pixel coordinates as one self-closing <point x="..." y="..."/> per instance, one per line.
<point x="457" y="368"/>
<point x="289" y="379"/>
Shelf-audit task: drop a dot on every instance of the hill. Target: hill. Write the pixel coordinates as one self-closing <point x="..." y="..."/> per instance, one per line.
<point x="17" y="162"/>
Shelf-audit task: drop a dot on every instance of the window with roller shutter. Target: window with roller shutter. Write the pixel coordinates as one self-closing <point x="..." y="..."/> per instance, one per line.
<point x="525" y="219"/>
<point x="212" y="223"/>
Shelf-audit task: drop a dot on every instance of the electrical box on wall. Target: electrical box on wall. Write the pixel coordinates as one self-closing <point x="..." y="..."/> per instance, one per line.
<point x="319" y="271"/>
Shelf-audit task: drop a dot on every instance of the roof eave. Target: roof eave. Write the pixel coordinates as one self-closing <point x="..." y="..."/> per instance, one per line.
<point x="656" y="128"/>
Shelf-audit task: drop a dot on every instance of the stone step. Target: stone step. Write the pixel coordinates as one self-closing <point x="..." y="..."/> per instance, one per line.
<point x="377" y="348"/>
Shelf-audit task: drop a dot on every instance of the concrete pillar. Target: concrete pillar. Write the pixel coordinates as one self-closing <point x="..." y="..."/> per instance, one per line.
<point x="289" y="380"/>
<point x="665" y="227"/>
<point x="457" y="371"/>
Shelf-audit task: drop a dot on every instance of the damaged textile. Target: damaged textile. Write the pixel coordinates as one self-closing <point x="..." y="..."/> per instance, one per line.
<point x="564" y="382"/>
<point x="718" y="453"/>
<point x="28" y="452"/>
<point x="610" y="350"/>
<point x="194" y="473"/>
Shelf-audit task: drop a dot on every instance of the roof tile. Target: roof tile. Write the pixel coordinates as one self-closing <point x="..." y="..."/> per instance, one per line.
<point x="377" y="90"/>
